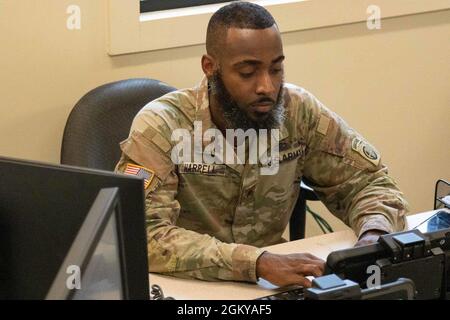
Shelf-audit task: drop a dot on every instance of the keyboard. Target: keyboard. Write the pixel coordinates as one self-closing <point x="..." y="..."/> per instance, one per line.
<point x="293" y="294"/>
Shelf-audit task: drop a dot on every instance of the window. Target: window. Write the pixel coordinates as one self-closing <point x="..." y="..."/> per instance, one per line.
<point x="157" y="5"/>
<point x="131" y="30"/>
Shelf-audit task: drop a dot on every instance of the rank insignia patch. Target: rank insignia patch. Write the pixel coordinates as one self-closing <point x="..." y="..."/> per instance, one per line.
<point x="365" y="150"/>
<point x="140" y="172"/>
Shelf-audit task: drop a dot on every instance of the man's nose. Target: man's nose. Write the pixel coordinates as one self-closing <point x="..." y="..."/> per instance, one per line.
<point x="265" y="85"/>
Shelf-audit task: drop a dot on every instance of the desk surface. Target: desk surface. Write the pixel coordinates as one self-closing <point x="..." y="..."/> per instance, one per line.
<point x="320" y="246"/>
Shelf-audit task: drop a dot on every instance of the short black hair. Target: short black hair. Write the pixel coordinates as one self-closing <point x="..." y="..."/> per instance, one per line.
<point x="241" y="15"/>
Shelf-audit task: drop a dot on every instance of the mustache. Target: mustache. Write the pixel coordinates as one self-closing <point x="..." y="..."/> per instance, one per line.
<point x="263" y="100"/>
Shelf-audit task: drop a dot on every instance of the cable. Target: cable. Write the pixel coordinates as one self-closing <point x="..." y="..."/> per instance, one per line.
<point x="319" y="223"/>
<point x="158" y="293"/>
<point x="323" y="224"/>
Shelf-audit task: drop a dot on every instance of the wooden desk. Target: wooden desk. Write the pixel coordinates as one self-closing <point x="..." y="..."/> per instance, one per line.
<point x="320" y="246"/>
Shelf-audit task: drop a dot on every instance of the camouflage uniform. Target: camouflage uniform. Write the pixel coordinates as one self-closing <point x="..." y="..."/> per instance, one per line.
<point x="209" y="221"/>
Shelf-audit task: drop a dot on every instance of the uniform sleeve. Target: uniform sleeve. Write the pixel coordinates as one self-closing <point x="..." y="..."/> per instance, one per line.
<point x="347" y="173"/>
<point x="173" y="250"/>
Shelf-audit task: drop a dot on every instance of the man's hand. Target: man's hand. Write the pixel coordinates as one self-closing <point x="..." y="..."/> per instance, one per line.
<point x="289" y="269"/>
<point x="369" y="237"/>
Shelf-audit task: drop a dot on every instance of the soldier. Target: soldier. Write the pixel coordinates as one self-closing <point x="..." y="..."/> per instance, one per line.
<point x="209" y="220"/>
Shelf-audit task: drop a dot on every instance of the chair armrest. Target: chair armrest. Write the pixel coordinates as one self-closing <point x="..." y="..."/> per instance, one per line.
<point x="307" y="192"/>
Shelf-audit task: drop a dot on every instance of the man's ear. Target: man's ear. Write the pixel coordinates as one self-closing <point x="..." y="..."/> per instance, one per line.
<point x="208" y="65"/>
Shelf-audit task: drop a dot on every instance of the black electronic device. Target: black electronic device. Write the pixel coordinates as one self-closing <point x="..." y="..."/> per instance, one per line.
<point x="412" y="265"/>
<point x="331" y="287"/>
<point x="423" y="258"/>
<point x="288" y="294"/>
<point x="42" y="209"/>
<point x="442" y="195"/>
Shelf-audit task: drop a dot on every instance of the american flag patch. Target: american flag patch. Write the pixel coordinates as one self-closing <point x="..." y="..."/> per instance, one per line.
<point x="140" y="172"/>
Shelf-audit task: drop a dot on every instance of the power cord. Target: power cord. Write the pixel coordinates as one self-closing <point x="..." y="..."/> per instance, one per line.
<point x="323" y="224"/>
<point x="157" y="294"/>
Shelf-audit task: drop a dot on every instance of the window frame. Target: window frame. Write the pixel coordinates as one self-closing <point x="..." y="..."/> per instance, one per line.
<point x="133" y="32"/>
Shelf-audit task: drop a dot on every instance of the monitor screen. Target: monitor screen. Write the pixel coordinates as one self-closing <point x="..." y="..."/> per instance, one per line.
<point x="102" y="278"/>
<point x="94" y="266"/>
<point x="42" y="209"/>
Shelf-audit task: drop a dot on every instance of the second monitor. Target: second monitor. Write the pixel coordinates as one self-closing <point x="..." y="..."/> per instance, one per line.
<point x="42" y="208"/>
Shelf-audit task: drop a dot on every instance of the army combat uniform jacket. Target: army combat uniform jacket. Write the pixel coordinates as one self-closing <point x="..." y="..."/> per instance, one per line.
<point x="209" y="221"/>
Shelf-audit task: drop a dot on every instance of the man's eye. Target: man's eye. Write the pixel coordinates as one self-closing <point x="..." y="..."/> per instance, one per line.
<point x="275" y="71"/>
<point x="246" y="74"/>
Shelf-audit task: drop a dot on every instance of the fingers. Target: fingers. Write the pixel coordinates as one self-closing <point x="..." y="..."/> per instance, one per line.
<point x="296" y="279"/>
<point x="321" y="266"/>
<point x="315" y="270"/>
<point x="360" y="244"/>
<point x="312" y="257"/>
<point x="309" y="259"/>
<point x="367" y="240"/>
<point x="305" y="270"/>
<point x="304" y="282"/>
<point x="290" y="269"/>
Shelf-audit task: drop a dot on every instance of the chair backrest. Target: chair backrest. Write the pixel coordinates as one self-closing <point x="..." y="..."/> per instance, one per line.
<point x="102" y="119"/>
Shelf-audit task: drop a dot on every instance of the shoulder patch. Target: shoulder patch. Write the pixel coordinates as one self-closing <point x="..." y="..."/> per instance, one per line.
<point x="365" y="150"/>
<point x="140" y="172"/>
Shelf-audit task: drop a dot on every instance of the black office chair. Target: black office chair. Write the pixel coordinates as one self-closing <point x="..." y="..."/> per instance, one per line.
<point x="297" y="223"/>
<point x="102" y="119"/>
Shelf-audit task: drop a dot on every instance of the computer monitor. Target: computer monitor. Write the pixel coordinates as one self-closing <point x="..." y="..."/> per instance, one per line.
<point x="94" y="267"/>
<point x="42" y="209"/>
<point x="442" y="195"/>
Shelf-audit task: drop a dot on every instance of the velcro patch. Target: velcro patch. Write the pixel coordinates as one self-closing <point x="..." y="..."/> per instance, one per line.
<point x="292" y="154"/>
<point x="366" y="151"/>
<point x="324" y="123"/>
<point x="201" y="168"/>
<point x="140" y="172"/>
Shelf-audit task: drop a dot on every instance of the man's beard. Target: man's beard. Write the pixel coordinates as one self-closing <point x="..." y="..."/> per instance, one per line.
<point x="236" y="117"/>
